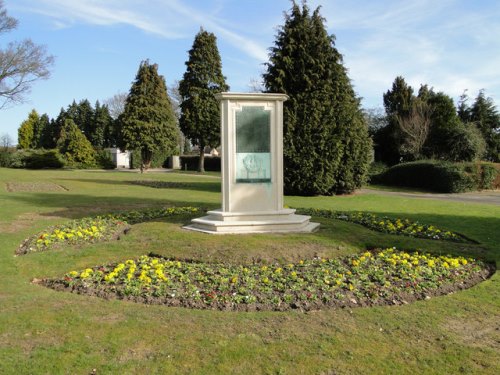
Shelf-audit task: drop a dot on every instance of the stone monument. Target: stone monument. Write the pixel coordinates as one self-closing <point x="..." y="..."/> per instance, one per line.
<point x="252" y="169"/>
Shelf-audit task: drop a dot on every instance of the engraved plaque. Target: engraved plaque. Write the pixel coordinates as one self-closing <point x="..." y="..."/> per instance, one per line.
<point x="253" y="145"/>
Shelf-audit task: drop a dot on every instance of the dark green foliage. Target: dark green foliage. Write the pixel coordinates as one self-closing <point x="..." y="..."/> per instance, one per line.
<point x="82" y="114"/>
<point x="40" y="130"/>
<point x="5" y="158"/>
<point x="75" y="147"/>
<point x="440" y="176"/>
<point x="103" y="160"/>
<point x="36" y="159"/>
<point x="159" y="159"/>
<point x="463" y="142"/>
<point x="200" y="112"/>
<point x="101" y="121"/>
<point x="388" y="140"/>
<point x="44" y="159"/>
<point x="148" y="122"/>
<point x="190" y="163"/>
<point x="485" y="116"/>
<point x="376" y="168"/>
<point x="451" y="136"/>
<point x="326" y="143"/>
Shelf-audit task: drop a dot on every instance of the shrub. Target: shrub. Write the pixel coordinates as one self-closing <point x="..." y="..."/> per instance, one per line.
<point x="41" y="159"/>
<point x="17" y="159"/>
<point x="159" y="159"/>
<point x="103" y="159"/>
<point x="440" y="176"/>
<point x="190" y="163"/>
<point x="376" y="168"/>
<point x="5" y="158"/>
<point x="75" y="147"/>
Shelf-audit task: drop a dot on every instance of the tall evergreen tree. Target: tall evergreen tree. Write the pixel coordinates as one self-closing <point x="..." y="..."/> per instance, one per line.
<point x="326" y="143"/>
<point x="200" y="112"/>
<point x="100" y="123"/>
<point x="25" y="133"/>
<point x="398" y="102"/>
<point x="39" y="130"/>
<point x="484" y="115"/>
<point x="84" y="118"/>
<point x="148" y="122"/>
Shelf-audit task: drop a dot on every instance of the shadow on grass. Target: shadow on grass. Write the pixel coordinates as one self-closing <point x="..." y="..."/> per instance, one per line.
<point x="209" y="186"/>
<point x="481" y="229"/>
<point x="78" y="205"/>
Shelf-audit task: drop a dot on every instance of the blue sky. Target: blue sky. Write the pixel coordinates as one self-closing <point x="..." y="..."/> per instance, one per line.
<point x="452" y="45"/>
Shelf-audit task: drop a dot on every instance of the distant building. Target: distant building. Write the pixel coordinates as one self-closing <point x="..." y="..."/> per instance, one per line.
<point x="208" y="151"/>
<point x="121" y="159"/>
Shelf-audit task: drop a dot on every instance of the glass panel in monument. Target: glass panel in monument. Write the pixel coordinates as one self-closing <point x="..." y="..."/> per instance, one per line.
<point x="253" y="145"/>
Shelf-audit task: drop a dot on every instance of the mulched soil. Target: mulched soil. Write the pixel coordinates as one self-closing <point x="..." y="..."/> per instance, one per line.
<point x="350" y="301"/>
<point x="23" y="187"/>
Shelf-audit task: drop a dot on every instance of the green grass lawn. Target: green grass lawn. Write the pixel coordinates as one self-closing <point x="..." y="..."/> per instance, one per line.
<point x="47" y="332"/>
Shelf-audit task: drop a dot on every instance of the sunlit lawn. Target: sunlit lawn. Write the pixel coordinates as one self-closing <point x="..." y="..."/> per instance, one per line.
<point x="47" y="332"/>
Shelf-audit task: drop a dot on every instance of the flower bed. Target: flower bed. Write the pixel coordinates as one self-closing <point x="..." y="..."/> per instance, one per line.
<point x="75" y="232"/>
<point x="100" y="228"/>
<point x="386" y="224"/>
<point x="371" y="278"/>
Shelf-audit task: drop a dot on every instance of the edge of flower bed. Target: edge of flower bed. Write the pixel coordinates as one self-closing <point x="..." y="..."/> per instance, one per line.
<point x="350" y="300"/>
<point x="345" y="216"/>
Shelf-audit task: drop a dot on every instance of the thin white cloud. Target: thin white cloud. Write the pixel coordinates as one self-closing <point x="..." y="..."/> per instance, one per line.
<point x="169" y="19"/>
<point x="451" y="45"/>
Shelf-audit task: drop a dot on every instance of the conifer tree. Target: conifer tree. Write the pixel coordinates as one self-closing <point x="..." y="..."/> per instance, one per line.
<point x="100" y="123"/>
<point x="485" y="116"/>
<point x="39" y="130"/>
<point x="148" y="122"/>
<point x="25" y="133"/>
<point x="326" y="143"/>
<point x="398" y="102"/>
<point x="200" y="112"/>
<point x="75" y="147"/>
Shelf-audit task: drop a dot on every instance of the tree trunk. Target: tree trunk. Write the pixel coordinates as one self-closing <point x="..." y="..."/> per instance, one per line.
<point x="201" y="160"/>
<point x="146" y="157"/>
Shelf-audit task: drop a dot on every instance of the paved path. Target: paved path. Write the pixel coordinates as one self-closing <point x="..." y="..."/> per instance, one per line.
<point x="484" y="197"/>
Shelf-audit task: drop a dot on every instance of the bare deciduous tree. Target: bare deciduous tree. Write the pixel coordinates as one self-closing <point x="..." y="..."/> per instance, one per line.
<point x="6" y="141"/>
<point x="116" y="104"/>
<point x="414" y="128"/>
<point x="255" y="85"/>
<point x="21" y="64"/>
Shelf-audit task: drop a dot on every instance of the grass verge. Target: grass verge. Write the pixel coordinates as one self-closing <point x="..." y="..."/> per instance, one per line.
<point x="47" y="332"/>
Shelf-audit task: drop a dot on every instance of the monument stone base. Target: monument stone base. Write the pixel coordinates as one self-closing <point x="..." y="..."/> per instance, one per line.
<point x="283" y="221"/>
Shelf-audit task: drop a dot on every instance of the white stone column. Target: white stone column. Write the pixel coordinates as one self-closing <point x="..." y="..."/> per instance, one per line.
<point x="252" y="169"/>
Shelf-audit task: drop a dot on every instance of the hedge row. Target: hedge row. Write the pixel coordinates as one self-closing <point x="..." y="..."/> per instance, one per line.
<point x="441" y="176"/>
<point x="190" y="163"/>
